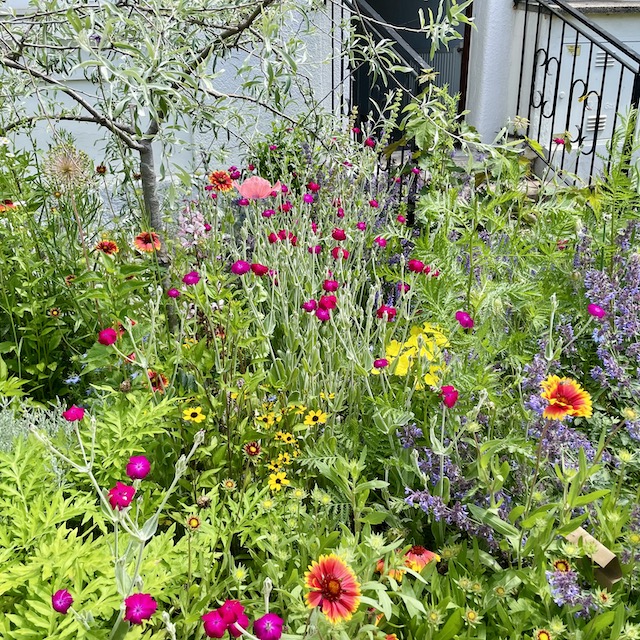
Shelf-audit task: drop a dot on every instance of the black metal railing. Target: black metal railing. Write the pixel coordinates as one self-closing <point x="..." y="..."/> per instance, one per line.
<point x="576" y="81"/>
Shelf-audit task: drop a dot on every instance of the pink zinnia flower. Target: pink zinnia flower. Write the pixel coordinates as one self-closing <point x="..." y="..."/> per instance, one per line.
<point x="138" y="467"/>
<point x="315" y="249"/>
<point x="322" y="314"/>
<point x="338" y="234"/>
<point x="465" y="320"/>
<point x="240" y="267"/>
<point x="308" y="198"/>
<point x="361" y="226"/>
<point x="214" y="625"/>
<point x="370" y="142"/>
<point x="417" y="266"/>
<point x="449" y="395"/>
<point x="390" y="312"/>
<point x="380" y="241"/>
<point x="120" y="496"/>
<point x="173" y="293"/>
<point x="313" y="187"/>
<point x="373" y="203"/>
<point x="330" y="285"/>
<point x="107" y="336"/>
<point x="259" y="269"/>
<point x="61" y="601"/>
<point x="328" y="302"/>
<point x="380" y="363"/>
<point x="255" y="187"/>
<point x="267" y="213"/>
<point x="269" y="627"/>
<point x="339" y="252"/>
<point x="73" y="413"/>
<point x="139" y="607"/>
<point x="310" y="305"/>
<point x="596" y="311"/>
<point x="193" y="277"/>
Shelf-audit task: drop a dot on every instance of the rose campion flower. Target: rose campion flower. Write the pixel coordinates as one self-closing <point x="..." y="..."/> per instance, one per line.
<point x="361" y="226"/>
<point x="356" y="130"/>
<point x="251" y="166"/>
<point x="120" y="496"/>
<point x="284" y="188"/>
<point x="370" y="142"/>
<point x="328" y="302"/>
<point x="307" y="198"/>
<point x="403" y="287"/>
<point x="273" y="147"/>
<point x="339" y="252"/>
<point x="417" y="266"/>
<point x="323" y="314"/>
<point x="285" y="207"/>
<point x="401" y="219"/>
<point x="267" y="213"/>
<point x="191" y="278"/>
<point x="340" y="212"/>
<point x="139" y="607"/>
<point x="330" y="285"/>
<point x="449" y="395"/>
<point x="380" y="363"/>
<point x="315" y="249"/>
<point x="380" y="241"/>
<point x="243" y="202"/>
<point x="73" y="413"/>
<point x="338" y="234"/>
<point x="138" y="467"/>
<point x="373" y="203"/>
<point x="314" y="187"/>
<point x="314" y="227"/>
<point x="416" y="171"/>
<point x="596" y="311"/>
<point x="173" y="293"/>
<point x="259" y="269"/>
<point x="231" y="610"/>
<point x="61" y="601"/>
<point x="107" y="336"/>
<point x="214" y="625"/>
<point x="243" y="621"/>
<point x="465" y="320"/>
<point x="240" y="267"/>
<point x="389" y="311"/>
<point x="310" y="305"/>
<point x="273" y="238"/>
<point x="269" y="627"/>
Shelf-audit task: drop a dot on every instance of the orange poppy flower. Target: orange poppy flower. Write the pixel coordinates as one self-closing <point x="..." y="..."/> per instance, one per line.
<point x="147" y="241"/>
<point x="417" y="558"/>
<point x="334" y="587"/>
<point x="220" y="181"/>
<point x="566" y="398"/>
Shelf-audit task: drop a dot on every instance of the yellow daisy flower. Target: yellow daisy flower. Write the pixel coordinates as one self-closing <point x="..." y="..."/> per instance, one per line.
<point x="315" y="417"/>
<point x="193" y="414"/>
<point x="277" y="481"/>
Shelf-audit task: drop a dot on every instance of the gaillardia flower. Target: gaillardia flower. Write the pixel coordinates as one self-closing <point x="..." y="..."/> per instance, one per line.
<point x="417" y="558"/>
<point x="334" y="587"/>
<point x="108" y="247"/>
<point x="148" y="242"/>
<point x="220" y="181"/>
<point x="566" y="398"/>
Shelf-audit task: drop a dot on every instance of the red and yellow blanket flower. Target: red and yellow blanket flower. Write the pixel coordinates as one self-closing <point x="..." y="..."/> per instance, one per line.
<point x="566" y="398"/>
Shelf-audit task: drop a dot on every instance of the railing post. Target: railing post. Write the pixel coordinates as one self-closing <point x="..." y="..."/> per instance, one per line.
<point x="627" y="147"/>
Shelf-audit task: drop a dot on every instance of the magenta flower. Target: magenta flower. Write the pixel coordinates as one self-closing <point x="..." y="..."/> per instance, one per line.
<point x="330" y="285"/>
<point x="340" y="212"/>
<point x="269" y="627"/>
<point x="380" y="363"/>
<point x="314" y="227"/>
<point x="120" y="496"/>
<point x="243" y="621"/>
<point x="313" y="187"/>
<point x="449" y="395"/>
<point x="323" y="314"/>
<point x="373" y="203"/>
<point x="417" y="266"/>
<point x="139" y="607"/>
<point x="61" y="601"/>
<point x="401" y="219"/>
<point x="361" y="226"/>
<point x="338" y="234"/>
<point x="315" y="249"/>
<point x="138" y="467"/>
<point x="370" y="142"/>
<point x="173" y="293"/>
<point x="403" y="287"/>
<point x="416" y="171"/>
<point x="596" y="311"/>
<point x="285" y="207"/>
<point x="267" y="213"/>
<point x="193" y="277"/>
<point x="387" y="311"/>
<point x="259" y="269"/>
<point x="273" y="238"/>
<point x="207" y="227"/>
<point x="328" y="302"/>
<point x="284" y="188"/>
<point x="214" y="625"/>
<point x="231" y="610"/>
<point x="310" y="305"/>
<point x="380" y="241"/>
<point x="243" y="202"/>
<point x="107" y="336"/>
<point x="465" y="320"/>
<point x="560" y="141"/>
<point x="240" y="267"/>
<point x="251" y="166"/>
<point x="308" y="198"/>
<point x="273" y="147"/>
<point x="356" y="130"/>
<point x="73" y="413"/>
<point x="339" y="252"/>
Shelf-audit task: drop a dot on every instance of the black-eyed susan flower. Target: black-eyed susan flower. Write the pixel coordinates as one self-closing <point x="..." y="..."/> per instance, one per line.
<point x="274" y="465"/>
<point x="193" y="522"/>
<point x="566" y="398"/>
<point x="193" y="414"/>
<point x="315" y="417"/>
<point x="278" y="480"/>
<point x="284" y="459"/>
<point x="267" y="420"/>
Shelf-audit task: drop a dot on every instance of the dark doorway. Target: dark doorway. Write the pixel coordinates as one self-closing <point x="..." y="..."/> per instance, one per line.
<point x="413" y="48"/>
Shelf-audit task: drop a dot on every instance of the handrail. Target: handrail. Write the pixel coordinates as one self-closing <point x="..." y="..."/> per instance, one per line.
<point x="593" y="26"/>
